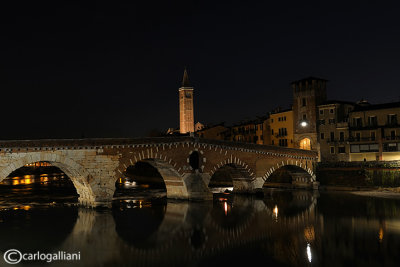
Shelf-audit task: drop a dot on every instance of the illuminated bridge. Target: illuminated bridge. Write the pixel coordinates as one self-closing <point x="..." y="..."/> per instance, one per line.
<point x="186" y="164"/>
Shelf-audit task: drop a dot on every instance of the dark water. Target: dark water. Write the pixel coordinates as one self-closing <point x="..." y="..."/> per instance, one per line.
<point x="284" y="228"/>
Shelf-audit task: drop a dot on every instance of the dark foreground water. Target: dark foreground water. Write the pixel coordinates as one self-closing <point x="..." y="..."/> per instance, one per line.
<point x="284" y="228"/>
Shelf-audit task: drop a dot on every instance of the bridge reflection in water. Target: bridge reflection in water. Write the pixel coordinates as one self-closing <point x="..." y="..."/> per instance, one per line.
<point x="296" y="228"/>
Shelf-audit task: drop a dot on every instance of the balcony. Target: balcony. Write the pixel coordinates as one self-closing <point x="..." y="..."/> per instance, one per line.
<point x="342" y="125"/>
<point x="391" y="137"/>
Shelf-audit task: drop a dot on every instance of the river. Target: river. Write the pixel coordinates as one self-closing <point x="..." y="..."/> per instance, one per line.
<point x="283" y="228"/>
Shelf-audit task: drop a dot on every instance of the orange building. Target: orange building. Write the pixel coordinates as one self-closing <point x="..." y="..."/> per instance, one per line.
<point x="281" y="129"/>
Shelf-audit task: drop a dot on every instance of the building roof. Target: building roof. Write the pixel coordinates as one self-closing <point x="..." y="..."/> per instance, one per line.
<point x="330" y="102"/>
<point x="280" y="111"/>
<point x="259" y="120"/>
<point x="185" y="80"/>
<point x="377" y="106"/>
<point x="309" y="79"/>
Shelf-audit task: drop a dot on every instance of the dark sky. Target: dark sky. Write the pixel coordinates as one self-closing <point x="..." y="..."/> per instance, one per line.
<point x="113" y="70"/>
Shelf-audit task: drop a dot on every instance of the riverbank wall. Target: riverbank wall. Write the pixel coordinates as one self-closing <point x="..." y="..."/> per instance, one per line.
<point x="359" y="174"/>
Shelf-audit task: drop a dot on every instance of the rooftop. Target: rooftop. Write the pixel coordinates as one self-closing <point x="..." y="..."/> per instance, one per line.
<point x="377" y="106"/>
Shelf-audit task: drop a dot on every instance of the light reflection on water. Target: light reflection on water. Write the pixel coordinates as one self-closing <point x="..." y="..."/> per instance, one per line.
<point x="284" y="228"/>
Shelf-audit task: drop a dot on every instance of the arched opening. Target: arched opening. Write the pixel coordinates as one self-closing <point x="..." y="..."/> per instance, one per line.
<point x="305" y="144"/>
<point x="222" y="180"/>
<point x="280" y="176"/>
<point x="40" y="183"/>
<point x="194" y="160"/>
<point x="226" y="178"/>
<point x="141" y="181"/>
<point x="289" y="176"/>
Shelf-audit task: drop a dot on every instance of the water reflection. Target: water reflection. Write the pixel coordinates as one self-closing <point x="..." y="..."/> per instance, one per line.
<point x="37" y="190"/>
<point x="284" y="228"/>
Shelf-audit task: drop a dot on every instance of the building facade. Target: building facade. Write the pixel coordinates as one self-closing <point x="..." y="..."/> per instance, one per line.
<point x="374" y="132"/>
<point x="308" y="93"/>
<point x="216" y="132"/>
<point x="333" y="130"/>
<point x="248" y="132"/>
<point x="281" y="129"/>
<point x="359" y="131"/>
<point x="186" y="111"/>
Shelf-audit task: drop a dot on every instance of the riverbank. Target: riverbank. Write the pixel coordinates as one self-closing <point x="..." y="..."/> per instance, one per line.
<point x="392" y="193"/>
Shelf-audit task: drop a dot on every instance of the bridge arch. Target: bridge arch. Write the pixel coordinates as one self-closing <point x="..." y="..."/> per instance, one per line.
<point x="173" y="180"/>
<point x="79" y="176"/>
<point x="300" y="172"/>
<point x="239" y="172"/>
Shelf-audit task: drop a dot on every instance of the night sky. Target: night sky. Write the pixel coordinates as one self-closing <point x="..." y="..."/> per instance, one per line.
<point x="70" y="70"/>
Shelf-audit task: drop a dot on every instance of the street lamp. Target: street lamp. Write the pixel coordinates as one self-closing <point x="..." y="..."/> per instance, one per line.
<point x="303" y="123"/>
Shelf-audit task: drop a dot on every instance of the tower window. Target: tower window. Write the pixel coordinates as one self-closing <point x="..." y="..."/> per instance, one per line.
<point x="303" y="101"/>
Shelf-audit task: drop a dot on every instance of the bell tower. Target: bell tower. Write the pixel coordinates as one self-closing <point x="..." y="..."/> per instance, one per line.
<point x="186" y="116"/>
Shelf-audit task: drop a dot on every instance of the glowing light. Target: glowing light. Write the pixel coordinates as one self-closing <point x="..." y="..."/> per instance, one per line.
<point x="305" y="144"/>
<point x="309" y="233"/>
<point x="226" y="208"/>
<point x="28" y="181"/>
<point x="303" y="124"/>
<point x="309" y="256"/>
<point x="380" y="234"/>
<point x="276" y="212"/>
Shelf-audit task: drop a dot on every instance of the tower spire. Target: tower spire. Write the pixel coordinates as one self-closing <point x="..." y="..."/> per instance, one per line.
<point x="185" y="80"/>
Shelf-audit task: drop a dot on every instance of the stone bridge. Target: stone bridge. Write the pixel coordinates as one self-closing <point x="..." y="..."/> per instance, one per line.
<point x="186" y="164"/>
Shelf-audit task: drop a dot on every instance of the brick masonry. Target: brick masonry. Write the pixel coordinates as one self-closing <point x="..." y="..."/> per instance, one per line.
<point x="94" y="165"/>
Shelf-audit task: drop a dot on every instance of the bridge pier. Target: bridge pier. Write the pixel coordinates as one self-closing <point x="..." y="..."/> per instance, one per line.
<point x="196" y="184"/>
<point x="100" y="198"/>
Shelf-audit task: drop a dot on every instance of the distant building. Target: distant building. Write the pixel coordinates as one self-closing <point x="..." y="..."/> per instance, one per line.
<point x="186" y="114"/>
<point x="281" y="129"/>
<point x="251" y="131"/>
<point x="216" y="132"/>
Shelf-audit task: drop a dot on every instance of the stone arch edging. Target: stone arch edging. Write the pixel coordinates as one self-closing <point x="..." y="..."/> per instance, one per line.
<point x="296" y="163"/>
<point x="172" y="177"/>
<point x="232" y="160"/>
<point x="77" y="173"/>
